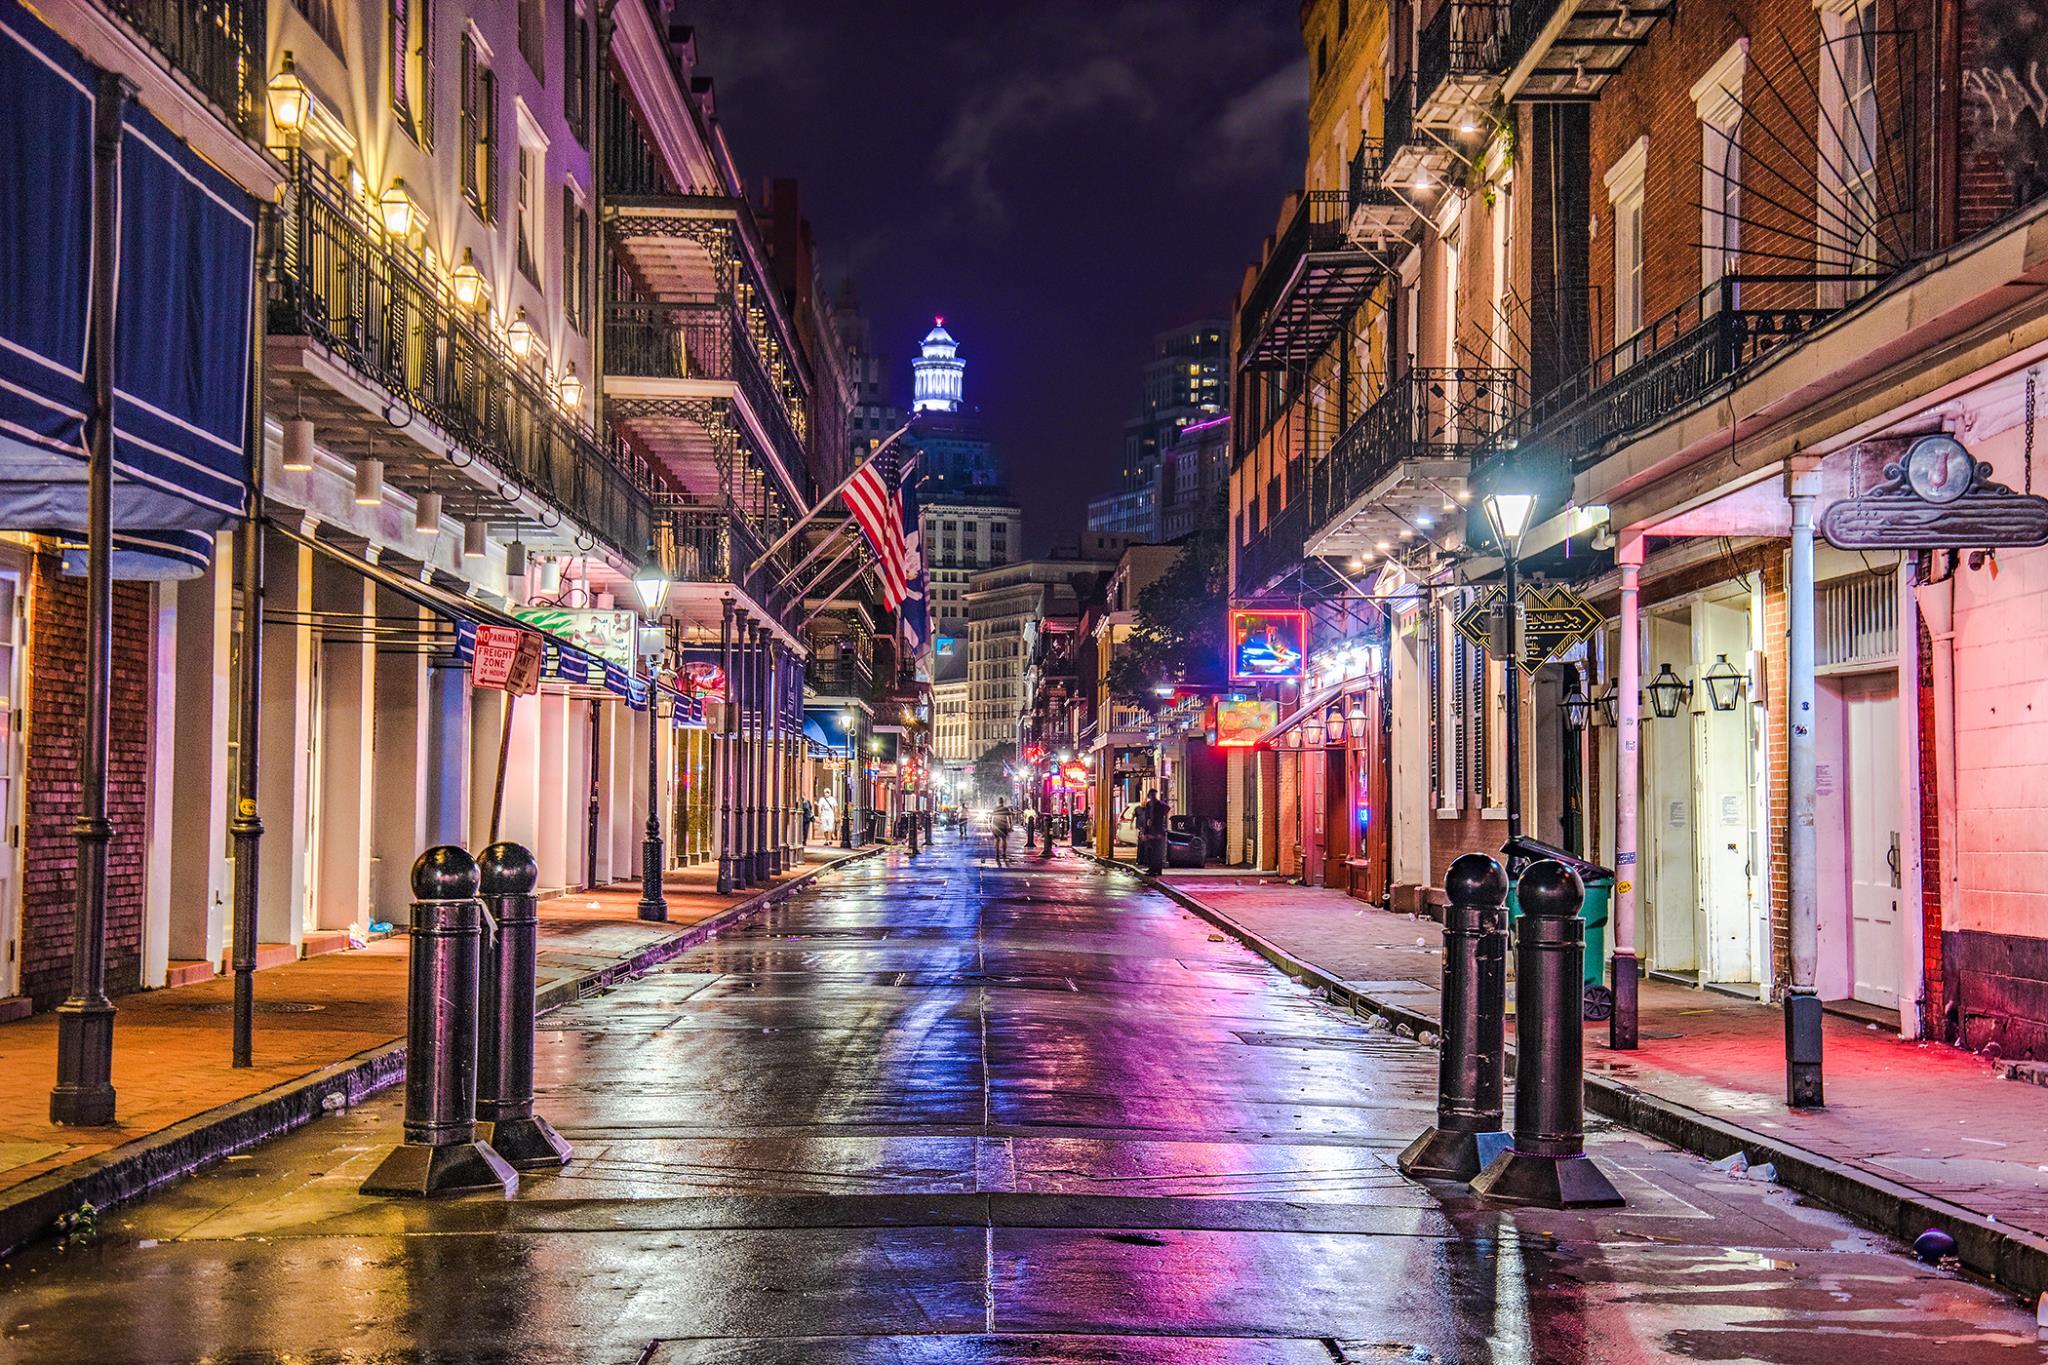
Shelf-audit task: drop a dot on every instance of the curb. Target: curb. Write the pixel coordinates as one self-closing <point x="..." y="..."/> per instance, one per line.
<point x="2012" y="1258"/>
<point x="147" y="1164"/>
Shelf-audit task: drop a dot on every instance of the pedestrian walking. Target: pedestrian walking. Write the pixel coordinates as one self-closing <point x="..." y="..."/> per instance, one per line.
<point x="810" y="815"/>
<point x="1151" y="823"/>
<point x="999" y="825"/>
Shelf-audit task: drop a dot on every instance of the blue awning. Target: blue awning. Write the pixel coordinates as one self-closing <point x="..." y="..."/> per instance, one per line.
<point x="187" y="249"/>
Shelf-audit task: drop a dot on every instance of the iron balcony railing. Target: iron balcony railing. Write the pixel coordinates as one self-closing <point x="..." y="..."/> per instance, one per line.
<point x="702" y="338"/>
<point x="1424" y="414"/>
<point x="847" y="675"/>
<point x="1317" y="225"/>
<point x="1368" y="176"/>
<point x="1462" y="39"/>
<point x="218" y="44"/>
<point x="1273" y="550"/>
<point x="1670" y="366"/>
<point x="1397" y="116"/>
<point x="714" y="544"/>
<point x="379" y="308"/>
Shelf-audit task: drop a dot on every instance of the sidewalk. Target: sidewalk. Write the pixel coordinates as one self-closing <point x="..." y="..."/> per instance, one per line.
<point x="326" y="1026"/>
<point x="1914" y="1134"/>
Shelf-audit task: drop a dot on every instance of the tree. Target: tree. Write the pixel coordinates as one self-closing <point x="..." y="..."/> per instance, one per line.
<point x="1180" y="632"/>
<point x="991" y="775"/>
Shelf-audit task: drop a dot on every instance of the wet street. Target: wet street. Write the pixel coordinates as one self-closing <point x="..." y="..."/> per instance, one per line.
<point x="936" y="1111"/>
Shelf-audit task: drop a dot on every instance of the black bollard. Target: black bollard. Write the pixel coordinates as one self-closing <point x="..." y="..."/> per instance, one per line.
<point x="504" y="1063"/>
<point x="1470" y="1067"/>
<point x="1546" y="1165"/>
<point x="441" y="1153"/>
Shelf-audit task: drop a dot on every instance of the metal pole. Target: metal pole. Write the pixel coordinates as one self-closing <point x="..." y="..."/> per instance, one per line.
<point x="763" y="793"/>
<point x="824" y="543"/>
<point x="826" y="501"/>
<point x="742" y="755"/>
<point x="832" y="597"/>
<point x="653" y="902"/>
<point x="590" y="826"/>
<point x="728" y="742"/>
<point x="505" y="1008"/>
<point x="245" y="827"/>
<point x="1802" y="1002"/>
<point x="846" y="808"/>
<point x="1513" y="677"/>
<point x="1627" y="968"/>
<point x="504" y="754"/>
<point x="84" y="1093"/>
<point x="1470" y="1071"/>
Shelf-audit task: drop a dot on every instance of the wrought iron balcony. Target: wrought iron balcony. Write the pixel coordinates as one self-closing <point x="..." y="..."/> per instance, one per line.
<point x="848" y="674"/>
<point x="1273" y="550"/>
<point x="378" y="309"/>
<point x="703" y="338"/>
<point x="1669" y="367"/>
<point x="1423" y="416"/>
<point x="1311" y="280"/>
<point x="716" y="545"/>
<point x="218" y="44"/>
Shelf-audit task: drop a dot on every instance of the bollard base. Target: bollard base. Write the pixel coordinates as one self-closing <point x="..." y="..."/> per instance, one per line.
<point x="1441" y="1154"/>
<point x="527" y="1144"/>
<point x="416" y="1171"/>
<point x="1547" y="1182"/>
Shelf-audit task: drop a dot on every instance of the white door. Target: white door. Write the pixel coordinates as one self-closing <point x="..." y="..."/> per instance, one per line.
<point x="1871" y="826"/>
<point x="1665" y="822"/>
<point x="1723" y="745"/>
<point x="13" y="706"/>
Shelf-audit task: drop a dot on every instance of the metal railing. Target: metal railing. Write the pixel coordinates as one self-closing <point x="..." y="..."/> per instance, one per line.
<point x="1424" y="414"/>
<point x="1368" y="174"/>
<point x="1273" y="550"/>
<point x="702" y="338"/>
<point x="219" y="44"/>
<point x="848" y="675"/>
<point x="1463" y="39"/>
<point x="1317" y="225"/>
<point x="714" y="544"/>
<point x="1668" y="367"/>
<point x="1397" y="115"/>
<point x="379" y="308"/>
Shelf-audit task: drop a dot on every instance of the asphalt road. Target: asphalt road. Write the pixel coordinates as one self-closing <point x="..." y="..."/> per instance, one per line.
<point x="936" y="1112"/>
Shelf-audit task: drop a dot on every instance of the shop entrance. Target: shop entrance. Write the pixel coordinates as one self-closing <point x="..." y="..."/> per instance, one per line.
<point x="1670" y="899"/>
<point x="1857" y="805"/>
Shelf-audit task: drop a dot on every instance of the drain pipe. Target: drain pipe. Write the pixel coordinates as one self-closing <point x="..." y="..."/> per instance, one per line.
<point x="1938" y="609"/>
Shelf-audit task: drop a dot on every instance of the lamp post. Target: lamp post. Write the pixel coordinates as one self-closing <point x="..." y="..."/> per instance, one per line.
<point x="650" y="584"/>
<point x="1509" y="513"/>
<point x="846" y="724"/>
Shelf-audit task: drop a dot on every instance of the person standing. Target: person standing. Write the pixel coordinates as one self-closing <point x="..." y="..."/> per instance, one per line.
<point x="999" y="824"/>
<point x="810" y="815"/>
<point x="1151" y="824"/>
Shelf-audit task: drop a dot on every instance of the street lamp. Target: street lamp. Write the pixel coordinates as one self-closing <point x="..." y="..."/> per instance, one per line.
<point x="1725" y="686"/>
<point x="1668" y="692"/>
<point x="1576" y="706"/>
<point x="288" y="98"/>
<point x="650" y="584"/>
<point x="1509" y="513"/>
<point x="467" y="280"/>
<point x="396" y="208"/>
<point x="846" y="723"/>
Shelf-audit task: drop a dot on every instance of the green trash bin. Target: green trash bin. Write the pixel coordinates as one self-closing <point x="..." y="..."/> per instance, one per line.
<point x="1599" y="884"/>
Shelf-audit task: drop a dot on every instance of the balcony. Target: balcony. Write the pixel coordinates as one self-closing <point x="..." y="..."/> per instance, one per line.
<point x="684" y="379"/>
<point x="1461" y="58"/>
<point x="714" y="548"/>
<point x="1272" y="551"/>
<point x="848" y="675"/>
<point x="1313" y="277"/>
<point x="1380" y="220"/>
<point x="368" y="343"/>
<point x="217" y="44"/>
<point x="1679" y="361"/>
<point x="1551" y="51"/>
<point x="1388" y="476"/>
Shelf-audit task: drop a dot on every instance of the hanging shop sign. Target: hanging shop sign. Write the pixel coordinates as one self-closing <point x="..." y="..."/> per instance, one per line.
<point x="1939" y="497"/>
<point x="1268" y="645"/>
<point x="506" y="659"/>
<point x="1239" y="723"/>
<point x="601" y="634"/>
<point x="1554" y="618"/>
<point x="704" y="679"/>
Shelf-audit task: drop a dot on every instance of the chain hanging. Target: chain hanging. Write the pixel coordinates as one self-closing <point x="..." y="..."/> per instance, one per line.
<point x="2027" y="449"/>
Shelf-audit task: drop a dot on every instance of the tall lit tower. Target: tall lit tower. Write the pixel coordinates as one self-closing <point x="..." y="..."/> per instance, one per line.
<point x="939" y="376"/>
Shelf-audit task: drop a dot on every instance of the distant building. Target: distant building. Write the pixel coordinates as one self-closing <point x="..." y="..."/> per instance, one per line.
<point x="938" y="375"/>
<point x="1002" y="605"/>
<point x="874" y="413"/>
<point x="1181" y="384"/>
<point x="1188" y="475"/>
<point x="951" y="737"/>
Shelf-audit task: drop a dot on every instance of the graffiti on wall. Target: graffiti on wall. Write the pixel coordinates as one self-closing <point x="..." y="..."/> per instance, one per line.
<point x="2005" y="93"/>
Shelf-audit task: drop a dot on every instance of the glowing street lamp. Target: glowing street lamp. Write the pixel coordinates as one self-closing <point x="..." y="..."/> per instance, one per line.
<point x="1510" y="513"/>
<point x="468" y="281"/>
<point x="397" y="210"/>
<point x="519" y="336"/>
<point x="289" y="100"/>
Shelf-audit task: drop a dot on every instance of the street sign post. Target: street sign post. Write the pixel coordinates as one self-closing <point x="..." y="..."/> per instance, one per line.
<point x="505" y="659"/>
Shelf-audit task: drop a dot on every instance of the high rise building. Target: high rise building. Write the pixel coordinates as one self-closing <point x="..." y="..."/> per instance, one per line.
<point x="938" y="375"/>
<point x="1180" y="385"/>
<point x="875" y="414"/>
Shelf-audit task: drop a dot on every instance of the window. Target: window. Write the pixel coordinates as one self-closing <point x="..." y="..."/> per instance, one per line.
<point x="479" y="131"/>
<point x="532" y="44"/>
<point x="532" y="172"/>
<point x="1718" y="98"/>
<point x="1343" y="15"/>
<point x="1848" y="207"/>
<point x="1625" y="194"/>
<point x="1322" y="58"/>
<point x="321" y="18"/>
<point x="575" y="260"/>
<point x="410" y="28"/>
<point x="576" y="70"/>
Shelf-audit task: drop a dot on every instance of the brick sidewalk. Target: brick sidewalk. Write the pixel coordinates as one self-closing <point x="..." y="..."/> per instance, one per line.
<point x="1923" y="1115"/>
<point x="171" y="1059"/>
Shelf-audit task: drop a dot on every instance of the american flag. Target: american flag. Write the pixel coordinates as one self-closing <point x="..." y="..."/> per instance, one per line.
<point x="873" y="495"/>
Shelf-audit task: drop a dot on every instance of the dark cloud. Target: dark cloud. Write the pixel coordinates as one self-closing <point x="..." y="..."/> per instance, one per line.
<point x="1061" y="178"/>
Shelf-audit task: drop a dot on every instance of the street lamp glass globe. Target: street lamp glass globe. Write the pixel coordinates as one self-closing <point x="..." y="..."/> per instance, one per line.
<point x="1509" y="513"/>
<point x="287" y="97"/>
<point x="650" y="584"/>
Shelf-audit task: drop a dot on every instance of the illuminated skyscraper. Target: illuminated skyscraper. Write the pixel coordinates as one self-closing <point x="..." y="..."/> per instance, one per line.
<point x="939" y="375"/>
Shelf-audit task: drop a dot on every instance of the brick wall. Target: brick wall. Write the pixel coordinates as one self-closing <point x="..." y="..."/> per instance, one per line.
<point x="55" y="727"/>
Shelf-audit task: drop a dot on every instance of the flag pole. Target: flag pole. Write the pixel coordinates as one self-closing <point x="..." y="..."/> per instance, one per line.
<point x="826" y="501"/>
<point x="816" y="550"/>
<point x="836" y="560"/>
<point x="832" y="598"/>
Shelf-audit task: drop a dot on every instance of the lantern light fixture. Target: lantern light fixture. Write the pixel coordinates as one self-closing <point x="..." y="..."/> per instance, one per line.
<point x="397" y="210"/>
<point x="519" y="336"/>
<point x="369" y="482"/>
<point x="1725" y="685"/>
<point x="1509" y="515"/>
<point x="1576" y="706"/>
<point x="651" y="584"/>
<point x="1607" y="705"/>
<point x="473" y="533"/>
<point x="1668" y="693"/>
<point x="289" y="100"/>
<point x="571" y="389"/>
<point x="426" y="514"/>
<point x="1312" y="735"/>
<point x="467" y="280"/>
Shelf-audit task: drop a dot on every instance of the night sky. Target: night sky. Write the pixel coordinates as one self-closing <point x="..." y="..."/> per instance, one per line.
<point x="1059" y="178"/>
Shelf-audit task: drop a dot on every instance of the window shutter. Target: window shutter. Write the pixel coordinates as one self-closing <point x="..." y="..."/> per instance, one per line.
<point x="470" y="189"/>
<point x="424" y="97"/>
<point x="400" y="58"/>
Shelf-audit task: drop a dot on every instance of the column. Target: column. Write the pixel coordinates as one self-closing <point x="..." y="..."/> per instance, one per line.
<point x="197" y="778"/>
<point x="283" y="737"/>
<point x="621" y="834"/>
<point x="347" y="605"/>
<point x="163" y="783"/>
<point x="738" y="682"/>
<point x="757" y="691"/>
<point x="722" y="749"/>
<point x="486" y="723"/>
<point x="447" y="767"/>
<point x="398" y="812"/>
<point x="552" y="787"/>
<point x="1802" y="1001"/>
<point x="1621" y="1027"/>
